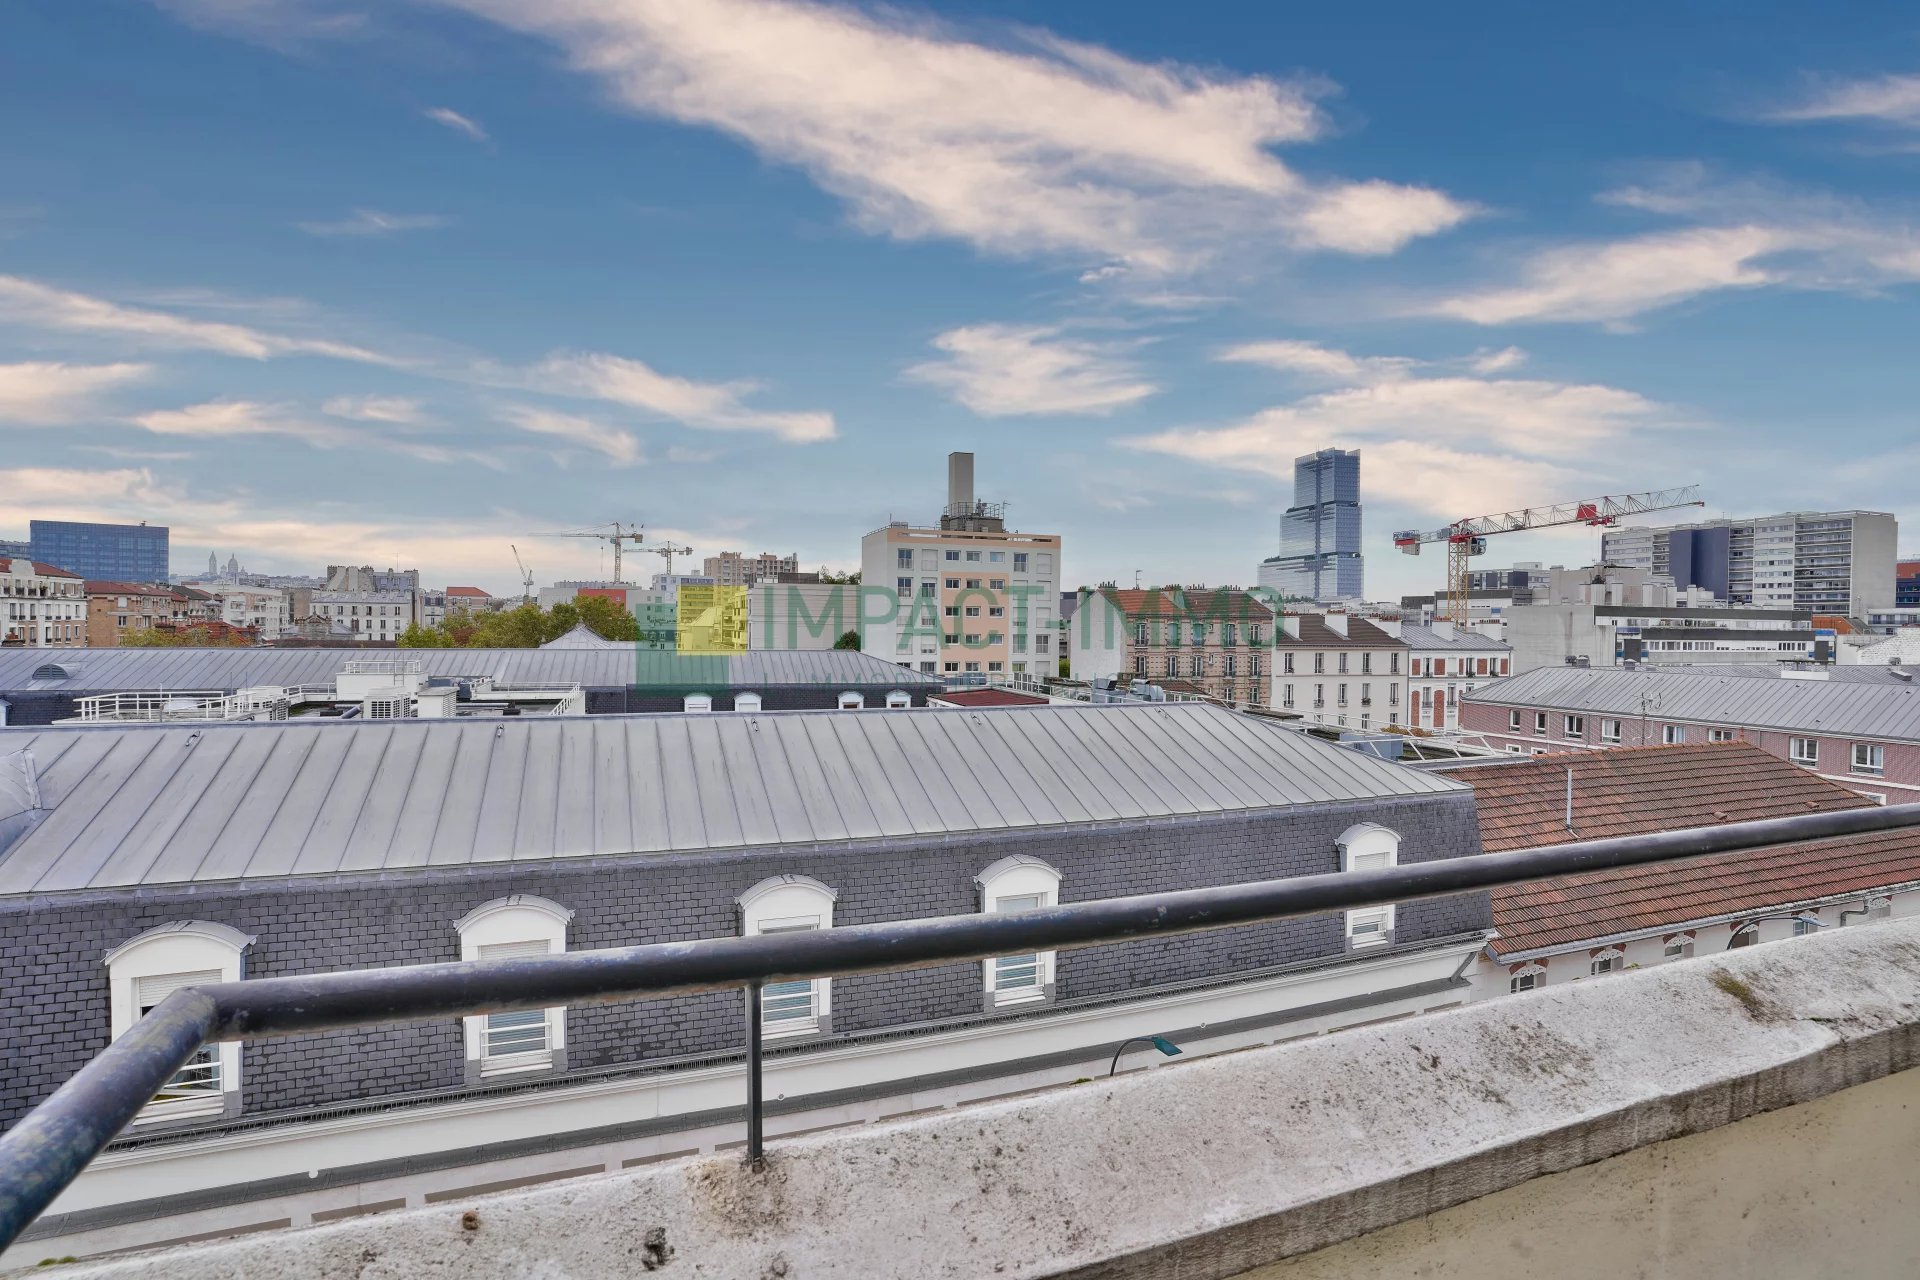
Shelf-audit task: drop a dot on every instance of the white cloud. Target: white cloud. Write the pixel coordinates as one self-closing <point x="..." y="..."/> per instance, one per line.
<point x="215" y="419"/>
<point x="458" y="123"/>
<point x="681" y="453"/>
<point x="713" y="405"/>
<point x="1500" y="361"/>
<point x="392" y="410"/>
<point x="1313" y="361"/>
<point x="278" y="24"/>
<point x="618" y="446"/>
<point x="1893" y="99"/>
<point x="40" y="393"/>
<point x="1000" y="370"/>
<point x="373" y="222"/>
<point x="1040" y="147"/>
<point x="1446" y="445"/>
<point x="29" y="303"/>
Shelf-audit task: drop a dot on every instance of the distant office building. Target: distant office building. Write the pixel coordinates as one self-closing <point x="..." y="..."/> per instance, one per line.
<point x="966" y="599"/>
<point x="1906" y="584"/>
<point x="1320" y="533"/>
<point x="15" y="550"/>
<point x="734" y="569"/>
<point x="1835" y="562"/>
<point x="121" y="552"/>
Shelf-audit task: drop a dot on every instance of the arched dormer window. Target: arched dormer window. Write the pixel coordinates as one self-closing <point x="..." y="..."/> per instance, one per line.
<point x="1368" y="846"/>
<point x="851" y="701"/>
<point x="513" y="928"/>
<point x="151" y="966"/>
<point x="746" y="701"/>
<point x="791" y="904"/>
<point x="1606" y="960"/>
<point x="1525" y="978"/>
<point x="697" y="702"/>
<point x="899" y="700"/>
<point x="1018" y="883"/>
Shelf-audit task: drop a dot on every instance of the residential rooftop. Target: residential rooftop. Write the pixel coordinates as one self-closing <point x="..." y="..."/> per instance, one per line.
<point x="1419" y="637"/>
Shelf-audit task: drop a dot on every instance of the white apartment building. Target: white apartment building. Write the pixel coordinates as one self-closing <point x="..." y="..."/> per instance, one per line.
<point x="965" y="599"/>
<point x="1444" y="663"/>
<point x="734" y="569"/>
<point x="1834" y="562"/>
<point x="368" y="615"/>
<point x="1339" y="671"/>
<point x="44" y="606"/>
<point x="262" y="608"/>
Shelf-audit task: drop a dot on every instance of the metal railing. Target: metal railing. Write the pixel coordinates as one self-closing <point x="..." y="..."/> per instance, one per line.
<point x="54" y="1142"/>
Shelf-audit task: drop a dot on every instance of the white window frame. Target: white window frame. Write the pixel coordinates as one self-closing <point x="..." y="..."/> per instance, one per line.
<point x="1677" y="946"/>
<point x="521" y="922"/>
<point x="1720" y="735"/>
<point x="186" y="947"/>
<point x="848" y="700"/>
<point x="1610" y="731"/>
<point x="697" y="703"/>
<point x="1528" y="977"/>
<point x="789" y="904"/>
<point x="1573" y="727"/>
<point x="1810" y="756"/>
<point x="1673" y="735"/>
<point x="1875" y="759"/>
<point x="1368" y="846"/>
<point x="1018" y="877"/>
<point x="746" y="701"/>
<point x="899" y="699"/>
<point x="1606" y="960"/>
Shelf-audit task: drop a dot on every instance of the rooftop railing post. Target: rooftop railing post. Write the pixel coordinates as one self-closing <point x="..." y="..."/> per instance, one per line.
<point x="756" y="1152"/>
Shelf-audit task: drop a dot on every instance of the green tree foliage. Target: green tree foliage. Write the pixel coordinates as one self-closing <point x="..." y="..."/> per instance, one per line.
<point x="848" y="640"/>
<point x="846" y="579"/>
<point x="527" y="626"/>
<point x="184" y="638"/>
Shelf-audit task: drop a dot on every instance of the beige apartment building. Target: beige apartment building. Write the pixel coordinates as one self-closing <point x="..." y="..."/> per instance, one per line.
<point x="736" y="569"/>
<point x="1220" y="641"/>
<point x="965" y="599"/>
<point x="116" y="608"/>
<point x="41" y="606"/>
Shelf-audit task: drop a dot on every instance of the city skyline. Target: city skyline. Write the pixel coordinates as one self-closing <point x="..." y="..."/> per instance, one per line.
<point x="410" y="285"/>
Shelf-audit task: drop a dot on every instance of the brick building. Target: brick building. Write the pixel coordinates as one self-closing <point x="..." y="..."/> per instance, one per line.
<point x="377" y="843"/>
<point x="1219" y="641"/>
<point x="1444" y="664"/>
<point x="116" y="608"/>
<point x="1857" y="726"/>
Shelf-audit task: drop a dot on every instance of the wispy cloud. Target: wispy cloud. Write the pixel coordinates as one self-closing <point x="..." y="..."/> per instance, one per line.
<point x="1036" y="146"/>
<point x="458" y="123"/>
<point x="1000" y="370"/>
<point x="1889" y="99"/>
<point x="617" y="445"/>
<point x="29" y="303"/>
<point x="1311" y="361"/>
<point x="401" y="411"/>
<point x="278" y="24"/>
<point x="226" y="419"/>
<point x="1440" y="443"/>
<point x="717" y="406"/>
<point x="45" y="394"/>
<point x="373" y="222"/>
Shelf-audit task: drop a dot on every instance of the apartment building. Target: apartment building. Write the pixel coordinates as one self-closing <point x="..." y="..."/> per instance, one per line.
<point x="45" y="606"/>
<point x="116" y="608"/>
<point x="1839" y="562"/>
<point x="735" y="569"/>
<point x="1858" y="726"/>
<point x="1549" y="635"/>
<point x="368" y="615"/>
<point x="968" y="598"/>
<point x="1444" y="663"/>
<point x="1220" y="642"/>
<point x="1339" y="670"/>
<point x="262" y="610"/>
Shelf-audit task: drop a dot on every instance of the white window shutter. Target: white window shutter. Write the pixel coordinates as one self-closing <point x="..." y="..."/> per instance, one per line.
<point x="150" y="991"/>
<point x="1372" y="861"/>
<point x="513" y="950"/>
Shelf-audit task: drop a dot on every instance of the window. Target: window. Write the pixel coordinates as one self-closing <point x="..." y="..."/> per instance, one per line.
<point x="1018" y="883"/>
<point x="1286" y="695"/>
<point x="152" y="966"/>
<point x="513" y="928"/>
<point x="746" y="702"/>
<point x="953" y="584"/>
<point x="973" y="584"/>
<point x="1870" y="759"/>
<point x="1513" y="720"/>
<point x="996" y="557"/>
<point x="903" y="586"/>
<point x="1526" y="978"/>
<point x="1368" y="846"/>
<point x="1608" y="961"/>
<point x="1677" y="946"/>
<point x="973" y="611"/>
<point x="850" y="701"/>
<point x="973" y="556"/>
<point x="1609" y="731"/>
<point x="1286" y="664"/>
<point x="1673" y="735"/>
<point x="1746" y="936"/>
<point x="898" y="699"/>
<point x="1540" y="722"/>
<point x="697" y="702"/>
<point x="953" y="555"/>
<point x="1803" y="750"/>
<point x="791" y="904"/>
<point x="1366" y="664"/>
<point x="1343" y="664"/>
<point x="1319" y="663"/>
<point x="996" y="584"/>
<point x="1019" y="562"/>
<point x="1140" y="664"/>
<point x="1719" y="735"/>
<point x="904" y="558"/>
<point x="1804" y="925"/>
<point x="1393" y="664"/>
<point x="1576" y="727"/>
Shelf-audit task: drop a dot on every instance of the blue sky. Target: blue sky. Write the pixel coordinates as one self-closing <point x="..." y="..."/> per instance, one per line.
<point x="406" y="282"/>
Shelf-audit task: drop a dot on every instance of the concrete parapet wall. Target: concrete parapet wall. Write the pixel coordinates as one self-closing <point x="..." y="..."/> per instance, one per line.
<point x="1240" y="1162"/>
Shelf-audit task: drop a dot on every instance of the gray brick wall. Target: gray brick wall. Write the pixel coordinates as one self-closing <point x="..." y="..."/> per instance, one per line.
<point x="54" y="1011"/>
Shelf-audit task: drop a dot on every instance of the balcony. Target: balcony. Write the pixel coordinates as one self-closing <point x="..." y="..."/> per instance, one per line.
<point x="1745" y="1114"/>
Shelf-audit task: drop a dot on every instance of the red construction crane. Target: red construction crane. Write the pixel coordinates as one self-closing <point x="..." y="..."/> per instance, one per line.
<point x="1468" y="537"/>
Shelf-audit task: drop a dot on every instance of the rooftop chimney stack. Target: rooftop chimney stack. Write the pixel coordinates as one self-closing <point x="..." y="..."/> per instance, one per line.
<point x="963" y="510"/>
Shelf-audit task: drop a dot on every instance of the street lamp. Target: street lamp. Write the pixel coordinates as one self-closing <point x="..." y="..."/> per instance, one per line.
<point x="1161" y="1043"/>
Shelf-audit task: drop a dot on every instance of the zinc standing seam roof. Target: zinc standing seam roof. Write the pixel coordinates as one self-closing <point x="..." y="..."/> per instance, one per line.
<point x="1841" y="708"/>
<point x="144" y="805"/>
<point x="132" y="670"/>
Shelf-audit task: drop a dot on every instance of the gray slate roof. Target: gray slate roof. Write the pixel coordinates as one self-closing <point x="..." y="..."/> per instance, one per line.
<point x="112" y="670"/>
<point x="1840" y="708"/>
<point x="207" y="803"/>
<point x="1419" y="637"/>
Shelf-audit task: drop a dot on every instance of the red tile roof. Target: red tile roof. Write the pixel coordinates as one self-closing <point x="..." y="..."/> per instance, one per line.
<point x="1639" y="790"/>
<point x="469" y="591"/>
<point x="97" y="588"/>
<point x="43" y="569"/>
<point x="990" y="698"/>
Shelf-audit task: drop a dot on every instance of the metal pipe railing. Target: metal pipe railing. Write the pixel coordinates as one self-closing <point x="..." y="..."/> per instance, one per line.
<point x="49" y="1147"/>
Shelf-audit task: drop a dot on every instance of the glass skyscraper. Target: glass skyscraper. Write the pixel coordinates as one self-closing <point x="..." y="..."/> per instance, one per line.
<point x="1320" y="533"/>
<point x="116" y="552"/>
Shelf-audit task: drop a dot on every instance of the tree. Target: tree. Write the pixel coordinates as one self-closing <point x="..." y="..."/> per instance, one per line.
<point x="848" y="640"/>
<point x="846" y="579"/>
<point x="419" y="637"/>
<point x="526" y="627"/>
<point x="192" y="637"/>
<point x="605" y="618"/>
<point x="1066" y="668"/>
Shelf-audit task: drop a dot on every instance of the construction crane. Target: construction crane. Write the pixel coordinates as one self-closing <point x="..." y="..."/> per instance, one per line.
<point x="526" y="578"/>
<point x="1468" y="537"/>
<point x="667" y="551"/>
<point x="620" y="537"/>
